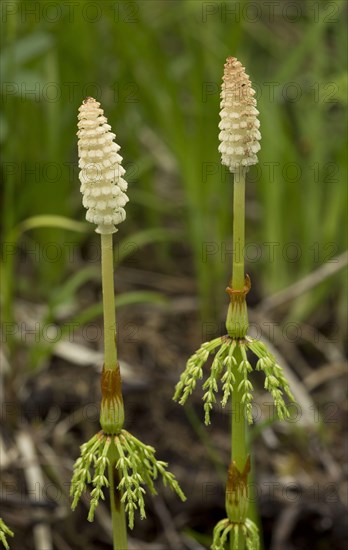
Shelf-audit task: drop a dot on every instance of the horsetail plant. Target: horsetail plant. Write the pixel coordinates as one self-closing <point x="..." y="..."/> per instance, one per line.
<point x="117" y="459"/>
<point x="4" y="533"/>
<point x="239" y="143"/>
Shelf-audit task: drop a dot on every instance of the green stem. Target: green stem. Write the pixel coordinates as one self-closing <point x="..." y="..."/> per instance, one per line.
<point x="110" y="351"/>
<point x="118" y="518"/>
<point x="238" y="441"/>
<point x="238" y="274"/>
<point x="119" y="529"/>
<point x="238" y="437"/>
<point x="238" y="433"/>
<point x="238" y="424"/>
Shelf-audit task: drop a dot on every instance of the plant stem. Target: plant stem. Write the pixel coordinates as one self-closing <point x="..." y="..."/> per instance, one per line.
<point x="118" y="518"/>
<point x="238" y="434"/>
<point x="110" y="351"/>
<point x="238" y="437"/>
<point x="238" y="274"/>
<point x="238" y="423"/>
<point x="119" y="529"/>
<point x="238" y="440"/>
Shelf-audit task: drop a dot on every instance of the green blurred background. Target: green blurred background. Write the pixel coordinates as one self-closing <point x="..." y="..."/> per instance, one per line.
<point x="156" y="67"/>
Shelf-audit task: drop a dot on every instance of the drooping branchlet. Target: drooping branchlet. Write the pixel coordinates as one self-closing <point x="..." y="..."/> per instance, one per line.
<point x="230" y="359"/>
<point x="4" y="533"/>
<point x="136" y="467"/>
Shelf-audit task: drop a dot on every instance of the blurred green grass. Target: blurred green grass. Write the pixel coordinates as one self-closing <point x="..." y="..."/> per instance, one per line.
<point x="156" y="67"/>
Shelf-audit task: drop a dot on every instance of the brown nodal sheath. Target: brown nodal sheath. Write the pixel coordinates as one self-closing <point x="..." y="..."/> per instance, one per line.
<point x="237" y="492"/>
<point x="238" y="296"/>
<point x="111" y="410"/>
<point x="237" y="480"/>
<point x="111" y="385"/>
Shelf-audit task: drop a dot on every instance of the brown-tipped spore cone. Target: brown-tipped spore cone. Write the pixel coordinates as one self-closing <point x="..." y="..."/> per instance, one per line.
<point x="102" y="184"/>
<point x="239" y="136"/>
